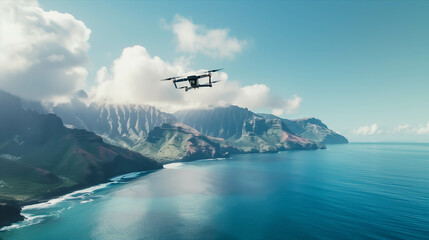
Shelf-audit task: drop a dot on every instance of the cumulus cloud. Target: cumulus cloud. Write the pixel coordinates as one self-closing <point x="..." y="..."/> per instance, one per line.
<point x="408" y="129"/>
<point x="292" y="105"/>
<point x="367" y="130"/>
<point x="134" y="78"/>
<point x="259" y="96"/>
<point x="423" y="129"/>
<point x="193" y="38"/>
<point x="43" y="54"/>
<point x="401" y="128"/>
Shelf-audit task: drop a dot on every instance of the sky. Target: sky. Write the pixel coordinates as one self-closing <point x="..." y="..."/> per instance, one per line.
<point x="362" y="67"/>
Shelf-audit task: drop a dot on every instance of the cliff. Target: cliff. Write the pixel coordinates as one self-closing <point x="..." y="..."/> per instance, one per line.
<point x="178" y="142"/>
<point x="311" y="128"/>
<point x="40" y="158"/>
<point x="245" y="130"/>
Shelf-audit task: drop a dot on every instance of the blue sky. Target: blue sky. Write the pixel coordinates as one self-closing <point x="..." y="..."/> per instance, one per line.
<point x="353" y="63"/>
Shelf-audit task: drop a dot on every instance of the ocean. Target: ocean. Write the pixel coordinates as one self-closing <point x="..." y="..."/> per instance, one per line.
<point x="351" y="191"/>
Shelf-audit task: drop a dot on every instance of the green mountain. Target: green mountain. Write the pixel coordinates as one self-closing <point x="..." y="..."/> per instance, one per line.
<point x="119" y="124"/>
<point x="245" y="130"/>
<point x="136" y="127"/>
<point x="311" y="128"/>
<point x="40" y="158"/>
<point x="270" y="135"/>
<point x="178" y="142"/>
<point x="231" y="127"/>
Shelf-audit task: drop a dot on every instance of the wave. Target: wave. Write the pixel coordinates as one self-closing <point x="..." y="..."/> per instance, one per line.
<point x="79" y="194"/>
<point x="87" y="201"/>
<point x="127" y="176"/>
<point x="36" y="213"/>
<point x="210" y="159"/>
<point x="173" y="165"/>
<point x="29" y="220"/>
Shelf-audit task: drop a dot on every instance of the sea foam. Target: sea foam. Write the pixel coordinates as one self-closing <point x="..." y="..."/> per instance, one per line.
<point x="173" y="165"/>
<point x="32" y="212"/>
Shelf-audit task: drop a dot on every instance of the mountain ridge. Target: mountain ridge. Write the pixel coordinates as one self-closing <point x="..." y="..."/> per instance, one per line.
<point x="179" y="142"/>
<point x="119" y="124"/>
<point x="244" y="129"/>
<point x="128" y="125"/>
<point x="40" y="158"/>
<point x="311" y="128"/>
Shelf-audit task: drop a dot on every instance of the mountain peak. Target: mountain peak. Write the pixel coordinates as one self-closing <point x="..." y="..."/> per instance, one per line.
<point x="81" y="94"/>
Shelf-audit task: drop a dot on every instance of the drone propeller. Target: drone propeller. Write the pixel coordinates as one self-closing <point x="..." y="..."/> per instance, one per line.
<point x="167" y="79"/>
<point x="216" y="81"/>
<point x="214" y="70"/>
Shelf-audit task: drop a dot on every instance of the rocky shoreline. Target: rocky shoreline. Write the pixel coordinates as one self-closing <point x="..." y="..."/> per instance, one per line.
<point x="10" y="212"/>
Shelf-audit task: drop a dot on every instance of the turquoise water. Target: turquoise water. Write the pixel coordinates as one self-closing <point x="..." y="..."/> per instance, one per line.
<point x="354" y="191"/>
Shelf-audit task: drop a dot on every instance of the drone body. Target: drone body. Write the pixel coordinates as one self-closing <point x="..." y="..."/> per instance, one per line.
<point x="193" y="80"/>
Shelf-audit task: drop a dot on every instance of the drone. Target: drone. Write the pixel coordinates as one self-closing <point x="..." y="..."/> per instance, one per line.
<point x="194" y="80"/>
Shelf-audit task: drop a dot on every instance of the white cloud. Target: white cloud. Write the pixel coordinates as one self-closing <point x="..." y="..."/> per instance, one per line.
<point x="401" y="128"/>
<point x="282" y="106"/>
<point x="293" y="104"/>
<point x="43" y="54"/>
<point x="367" y="130"/>
<point x="195" y="38"/>
<point x="134" y="78"/>
<point x="423" y="129"/>
<point x="409" y="130"/>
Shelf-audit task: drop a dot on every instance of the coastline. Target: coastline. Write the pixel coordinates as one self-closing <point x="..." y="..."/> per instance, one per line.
<point x="53" y="199"/>
<point x="63" y="194"/>
<point x="57" y="198"/>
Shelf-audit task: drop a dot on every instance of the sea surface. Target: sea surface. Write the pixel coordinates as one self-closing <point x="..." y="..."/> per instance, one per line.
<point x="352" y="191"/>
